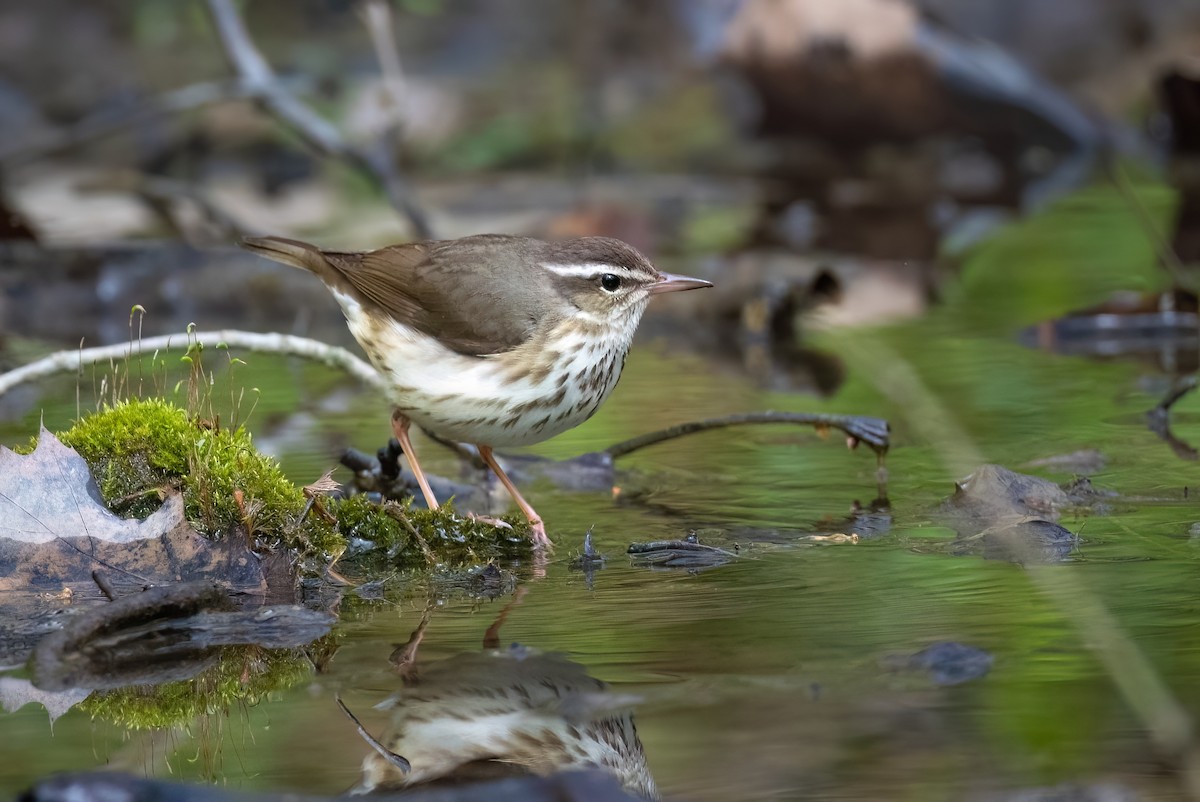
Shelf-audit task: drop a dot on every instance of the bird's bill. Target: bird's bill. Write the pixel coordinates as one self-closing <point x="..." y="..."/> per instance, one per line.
<point x="673" y="283"/>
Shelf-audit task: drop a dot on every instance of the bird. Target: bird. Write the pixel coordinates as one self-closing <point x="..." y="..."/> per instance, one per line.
<point x="491" y="339"/>
<point x="505" y="712"/>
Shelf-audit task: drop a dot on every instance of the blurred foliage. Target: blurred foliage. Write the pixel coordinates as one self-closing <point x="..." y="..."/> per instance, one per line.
<point x="1074" y="255"/>
<point x="715" y="230"/>
<point x="683" y="128"/>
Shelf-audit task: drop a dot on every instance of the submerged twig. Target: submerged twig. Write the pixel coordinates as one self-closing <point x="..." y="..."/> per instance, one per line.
<point x="491" y="638"/>
<point x="287" y="344"/>
<point x="105" y="586"/>
<point x="872" y="431"/>
<point x="465" y="451"/>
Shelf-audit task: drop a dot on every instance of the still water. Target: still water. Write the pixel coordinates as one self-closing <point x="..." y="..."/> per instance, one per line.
<point x="775" y="676"/>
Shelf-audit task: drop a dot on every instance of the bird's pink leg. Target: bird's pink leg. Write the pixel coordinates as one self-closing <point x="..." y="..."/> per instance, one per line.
<point x="400" y="426"/>
<point x="536" y="528"/>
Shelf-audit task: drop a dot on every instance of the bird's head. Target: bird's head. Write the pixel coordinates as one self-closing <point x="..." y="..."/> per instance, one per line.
<point x="606" y="281"/>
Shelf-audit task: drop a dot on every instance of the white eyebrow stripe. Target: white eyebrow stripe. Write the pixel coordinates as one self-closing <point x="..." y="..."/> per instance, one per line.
<point x="588" y="270"/>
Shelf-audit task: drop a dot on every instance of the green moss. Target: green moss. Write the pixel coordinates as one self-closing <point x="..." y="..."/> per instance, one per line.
<point x="361" y="519"/>
<point x="462" y="541"/>
<point x="138" y="447"/>
<point x="242" y="675"/>
<point x="395" y="536"/>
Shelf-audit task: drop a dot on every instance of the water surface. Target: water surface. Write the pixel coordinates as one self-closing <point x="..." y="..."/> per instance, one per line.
<point x="771" y="678"/>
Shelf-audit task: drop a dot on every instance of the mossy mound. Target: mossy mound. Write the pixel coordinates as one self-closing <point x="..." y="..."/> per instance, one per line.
<point x="138" y="447"/>
<point x="398" y="535"/>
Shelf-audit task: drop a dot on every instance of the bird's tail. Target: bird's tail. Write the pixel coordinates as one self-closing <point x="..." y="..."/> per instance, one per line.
<point x="290" y="252"/>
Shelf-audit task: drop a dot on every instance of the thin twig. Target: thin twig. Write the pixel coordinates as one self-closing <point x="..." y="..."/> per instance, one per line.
<point x="872" y="431"/>
<point x="404" y="657"/>
<point x="377" y="162"/>
<point x="287" y="344"/>
<point x="1158" y="420"/>
<point x="256" y="81"/>
<point x="377" y="16"/>
<point x="394" y="511"/>
<point x="491" y="638"/>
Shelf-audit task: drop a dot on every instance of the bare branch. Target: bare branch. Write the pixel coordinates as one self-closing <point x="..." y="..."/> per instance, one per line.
<point x="287" y="344"/>
<point x="377" y="162"/>
<point x="377" y="15"/>
<point x="256" y="81"/>
<point x="264" y="85"/>
<point x="872" y="431"/>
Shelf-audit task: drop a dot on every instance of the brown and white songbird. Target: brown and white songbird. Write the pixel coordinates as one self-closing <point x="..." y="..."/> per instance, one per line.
<point x="494" y="340"/>
<point x="503" y="713"/>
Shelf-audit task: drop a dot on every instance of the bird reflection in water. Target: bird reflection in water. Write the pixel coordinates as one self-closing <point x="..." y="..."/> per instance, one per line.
<point x="499" y="713"/>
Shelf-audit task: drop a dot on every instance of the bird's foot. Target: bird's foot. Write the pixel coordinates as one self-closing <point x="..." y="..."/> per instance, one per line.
<point x="487" y="519"/>
<point x="537" y="533"/>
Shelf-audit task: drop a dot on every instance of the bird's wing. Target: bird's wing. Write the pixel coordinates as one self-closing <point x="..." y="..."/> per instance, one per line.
<point x="473" y="303"/>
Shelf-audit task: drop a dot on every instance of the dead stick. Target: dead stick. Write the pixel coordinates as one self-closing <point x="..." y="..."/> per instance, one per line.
<point x="393" y="511"/>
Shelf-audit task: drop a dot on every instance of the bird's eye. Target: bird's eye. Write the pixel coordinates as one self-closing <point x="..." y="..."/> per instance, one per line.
<point x="610" y="282"/>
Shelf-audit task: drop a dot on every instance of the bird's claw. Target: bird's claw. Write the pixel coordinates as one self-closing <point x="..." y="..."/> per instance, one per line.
<point x="537" y="533"/>
<point x="487" y="519"/>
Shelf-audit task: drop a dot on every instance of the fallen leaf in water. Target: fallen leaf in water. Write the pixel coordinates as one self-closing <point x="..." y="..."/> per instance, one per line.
<point x="55" y="530"/>
<point x="50" y="494"/>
